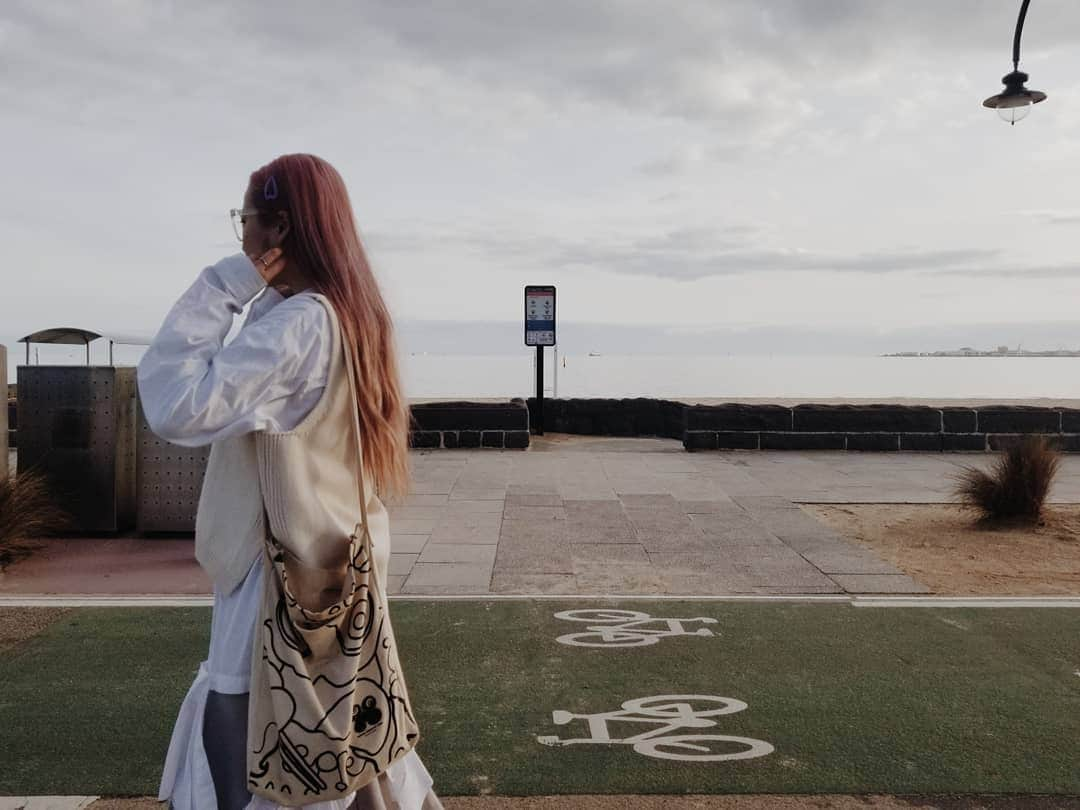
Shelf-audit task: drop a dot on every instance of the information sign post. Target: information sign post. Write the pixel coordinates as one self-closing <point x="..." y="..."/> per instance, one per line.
<point x="539" y="332"/>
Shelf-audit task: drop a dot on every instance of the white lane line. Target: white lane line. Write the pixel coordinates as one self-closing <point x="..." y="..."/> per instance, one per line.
<point x="45" y="802"/>
<point x="649" y="597"/>
<point x="968" y="601"/>
<point x="165" y="600"/>
<point x="90" y="600"/>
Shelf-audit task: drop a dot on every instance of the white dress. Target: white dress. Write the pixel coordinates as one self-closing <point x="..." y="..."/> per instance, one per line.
<point x="195" y="390"/>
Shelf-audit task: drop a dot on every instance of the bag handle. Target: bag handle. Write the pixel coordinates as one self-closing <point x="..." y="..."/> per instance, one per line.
<point x="353" y="401"/>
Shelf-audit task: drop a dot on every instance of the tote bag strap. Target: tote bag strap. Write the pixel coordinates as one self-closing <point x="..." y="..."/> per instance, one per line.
<point x="353" y="402"/>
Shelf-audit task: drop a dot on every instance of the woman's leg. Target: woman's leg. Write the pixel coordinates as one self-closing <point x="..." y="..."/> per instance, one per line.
<point x="225" y="741"/>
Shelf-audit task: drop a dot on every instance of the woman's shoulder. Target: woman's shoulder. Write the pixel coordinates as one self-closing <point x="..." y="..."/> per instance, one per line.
<point x="303" y="311"/>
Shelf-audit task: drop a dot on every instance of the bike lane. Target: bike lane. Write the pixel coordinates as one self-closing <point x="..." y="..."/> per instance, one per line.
<point x="548" y="697"/>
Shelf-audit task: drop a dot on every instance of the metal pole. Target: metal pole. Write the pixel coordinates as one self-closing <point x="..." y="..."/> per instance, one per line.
<point x="555" y="376"/>
<point x="539" y="390"/>
<point x="1016" y="35"/>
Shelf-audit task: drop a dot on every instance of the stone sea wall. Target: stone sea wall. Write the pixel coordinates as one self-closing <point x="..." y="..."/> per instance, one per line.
<point x="452" y="425"/>
<point x="875" y="427"/>
<point x="735" y="426"/>
<point x="814" y="427"/>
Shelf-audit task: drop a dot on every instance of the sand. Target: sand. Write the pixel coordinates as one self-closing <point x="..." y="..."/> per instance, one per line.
<point x="942" y="547"/>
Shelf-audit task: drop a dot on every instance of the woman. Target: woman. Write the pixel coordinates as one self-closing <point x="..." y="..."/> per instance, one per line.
<point x="303" y="259"/>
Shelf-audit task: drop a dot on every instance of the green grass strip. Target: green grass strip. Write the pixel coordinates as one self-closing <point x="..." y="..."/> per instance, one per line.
<point x="854" y="701"/>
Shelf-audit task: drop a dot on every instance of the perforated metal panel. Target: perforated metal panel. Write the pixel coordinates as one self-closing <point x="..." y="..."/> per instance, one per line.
<point x="77" y="425"/>
<point x="170" y="480"/>
<point x="4" y="469"/>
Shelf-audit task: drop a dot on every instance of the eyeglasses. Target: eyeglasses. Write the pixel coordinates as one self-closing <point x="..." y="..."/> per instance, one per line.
<point x="238" y="216"/>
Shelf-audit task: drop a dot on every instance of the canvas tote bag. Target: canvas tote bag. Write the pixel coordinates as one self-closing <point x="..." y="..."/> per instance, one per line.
<point x="329" y="710"/>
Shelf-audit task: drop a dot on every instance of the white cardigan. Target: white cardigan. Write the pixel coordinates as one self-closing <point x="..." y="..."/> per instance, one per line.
<point x="195" y="390"/>
<point x="249" y="399"/>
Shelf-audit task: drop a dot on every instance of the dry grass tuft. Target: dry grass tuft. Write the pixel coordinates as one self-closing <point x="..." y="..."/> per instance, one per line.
<point x="27" y="510"/>
<point x="1015" y="488"/>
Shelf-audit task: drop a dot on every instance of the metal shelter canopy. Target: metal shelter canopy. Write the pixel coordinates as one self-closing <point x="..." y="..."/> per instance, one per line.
<point x="74" y="336"/>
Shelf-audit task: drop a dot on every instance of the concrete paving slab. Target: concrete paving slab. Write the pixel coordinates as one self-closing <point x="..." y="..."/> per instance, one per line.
<point x="398" y="513"/>
<point x="471" y="520"/>
<point x="616" y="577"/>
<point x="473" y="553"/>
<point x="447" y="578"/>
<point x="454" y="533"/>
<point x="609" y="552"/>
<point x="428" y="488"/>
<point x="408" y="543"/>
<point x="425" y="499"/>
<point x="541" y="513"/>
<point x="848" y="561"/>
<point x="651" y="502"/>
<point x="684" y="542"/>
<point x="534" y="583"/>
<point x="520" y="558"/>
<point x="411" y="526"/>
<point x="760" y="503"/>
<point x="401" y="564"/>
<point x="477" y="494"/>
<point x="705" y="507"/>
<point x="536" y="499"/>
<point x="678" y="561"/>
<point x="874" y="583"/>
<point x="794" y="524"/>
<point x="473" y="507"/>
<point x="658" y="523"/>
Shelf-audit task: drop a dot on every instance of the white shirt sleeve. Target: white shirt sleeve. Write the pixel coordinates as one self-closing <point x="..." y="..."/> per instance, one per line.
<point x="195" y="390"/>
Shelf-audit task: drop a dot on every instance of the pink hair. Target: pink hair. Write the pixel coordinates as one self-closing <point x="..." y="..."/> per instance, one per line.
<point x="324" y="241"/>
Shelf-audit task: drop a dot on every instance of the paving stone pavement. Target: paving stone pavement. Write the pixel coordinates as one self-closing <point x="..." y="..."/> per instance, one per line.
<point x="593" y="515"/>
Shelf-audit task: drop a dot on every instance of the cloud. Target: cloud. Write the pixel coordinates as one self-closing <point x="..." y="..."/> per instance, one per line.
<point x="634" y="138"/>
<point x="682" y="254"/>
<point x="1054" y="217"/>
<point x="1069" y="271"/>
<point x="756" y="73"/>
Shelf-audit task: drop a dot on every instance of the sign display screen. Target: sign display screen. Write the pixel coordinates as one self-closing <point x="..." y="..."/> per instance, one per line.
<point x="539" y="315"/>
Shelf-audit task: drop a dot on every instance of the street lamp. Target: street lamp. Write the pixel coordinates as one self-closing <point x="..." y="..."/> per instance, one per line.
<point x="1015" y="102"/>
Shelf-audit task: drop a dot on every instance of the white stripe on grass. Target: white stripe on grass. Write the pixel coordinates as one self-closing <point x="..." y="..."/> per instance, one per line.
<point x="151" y="600"/>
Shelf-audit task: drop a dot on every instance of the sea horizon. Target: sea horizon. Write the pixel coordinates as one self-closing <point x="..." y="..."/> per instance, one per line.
<point x="431" y="375"/>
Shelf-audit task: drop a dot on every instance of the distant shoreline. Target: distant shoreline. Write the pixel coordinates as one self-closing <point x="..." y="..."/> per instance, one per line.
<point x="962" y="353"/>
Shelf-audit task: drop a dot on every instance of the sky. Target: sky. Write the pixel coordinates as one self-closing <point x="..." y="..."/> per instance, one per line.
<point x="723" y="173"/>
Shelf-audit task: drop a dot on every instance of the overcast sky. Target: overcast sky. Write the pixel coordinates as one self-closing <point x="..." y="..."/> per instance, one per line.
<point x="792" y="164"/>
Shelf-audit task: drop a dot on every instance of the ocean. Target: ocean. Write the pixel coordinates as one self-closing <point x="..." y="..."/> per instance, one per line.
<point x="738" y="377"/>
<point x="706" y="376"/>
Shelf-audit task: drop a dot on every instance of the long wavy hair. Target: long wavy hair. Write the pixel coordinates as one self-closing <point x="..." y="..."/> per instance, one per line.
<point x="324" y="241"/>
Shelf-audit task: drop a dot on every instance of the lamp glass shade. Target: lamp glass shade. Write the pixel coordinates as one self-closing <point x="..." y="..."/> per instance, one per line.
<point x="1014" y="113"/>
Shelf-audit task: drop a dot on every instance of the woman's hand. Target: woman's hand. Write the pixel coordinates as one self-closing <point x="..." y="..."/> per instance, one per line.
<point x="270" y="264"/>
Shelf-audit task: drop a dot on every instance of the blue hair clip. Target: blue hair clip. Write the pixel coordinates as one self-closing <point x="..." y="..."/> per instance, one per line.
<point x="270" y="190"/>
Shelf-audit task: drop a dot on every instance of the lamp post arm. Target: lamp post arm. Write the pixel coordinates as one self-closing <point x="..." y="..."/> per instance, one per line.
<point x="1016" y="36"/>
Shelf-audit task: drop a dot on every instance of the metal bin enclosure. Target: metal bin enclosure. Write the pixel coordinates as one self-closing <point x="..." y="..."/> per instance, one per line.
<point x="77" y="425"/>
<point x="170" y="480"/>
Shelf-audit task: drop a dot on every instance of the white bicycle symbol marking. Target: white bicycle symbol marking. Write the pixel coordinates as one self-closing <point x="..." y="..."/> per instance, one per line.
<point x="671" y="713"/>
<point x="625" y="628"/>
